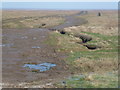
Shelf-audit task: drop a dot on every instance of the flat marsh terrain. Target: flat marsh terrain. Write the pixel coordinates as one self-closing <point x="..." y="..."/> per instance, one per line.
<point x="82" y="44"/>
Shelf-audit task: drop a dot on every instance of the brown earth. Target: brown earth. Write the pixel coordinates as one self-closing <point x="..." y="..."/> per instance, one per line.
<point x="21" y="52"/>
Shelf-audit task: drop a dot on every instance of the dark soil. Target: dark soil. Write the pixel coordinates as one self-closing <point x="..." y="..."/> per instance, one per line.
<point x="92" y="47"/>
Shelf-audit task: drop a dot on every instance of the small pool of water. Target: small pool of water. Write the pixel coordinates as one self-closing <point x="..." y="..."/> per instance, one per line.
<point x="35" y="47"/>
<point x="34" y="38"/>
<point x="24" y="37"/>
<point x="6" y="45"/>
<point x="41" y="67"/>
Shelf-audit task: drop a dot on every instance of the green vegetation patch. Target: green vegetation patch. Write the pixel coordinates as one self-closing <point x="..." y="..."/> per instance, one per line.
<point x="104" y="80"/>
<point x="112" y="40"/>
<point x="76" y="51"/>
<point x="51" y="40"/>
<point x="82" y="60"/>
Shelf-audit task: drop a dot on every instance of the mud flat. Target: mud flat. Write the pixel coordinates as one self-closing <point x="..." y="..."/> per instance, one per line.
<point x="27" y="47"/>
<point x="21" y="52"/>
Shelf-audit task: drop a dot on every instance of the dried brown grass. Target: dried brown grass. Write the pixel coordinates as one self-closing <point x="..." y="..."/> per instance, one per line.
<point x="6" y="14"/>
<point x="106" y="24"/>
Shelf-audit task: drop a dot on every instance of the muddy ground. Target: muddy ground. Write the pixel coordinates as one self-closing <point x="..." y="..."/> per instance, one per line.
<point x="61" y="39"/>
<point x="21" y="52"/>
<point x="18" y="49"/>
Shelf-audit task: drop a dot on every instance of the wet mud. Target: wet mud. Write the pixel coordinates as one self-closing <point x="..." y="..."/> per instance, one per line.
<point x="27" y="47"/>
<point x="28" y="50"/>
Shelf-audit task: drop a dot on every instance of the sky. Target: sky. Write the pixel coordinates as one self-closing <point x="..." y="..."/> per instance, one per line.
<point x="60" y="5"/>
<point x="60" y="0"/>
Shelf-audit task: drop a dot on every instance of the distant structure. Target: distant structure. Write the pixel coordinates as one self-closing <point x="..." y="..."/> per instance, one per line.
<point x="99" y="14"/>
<point x="83" y="13"/>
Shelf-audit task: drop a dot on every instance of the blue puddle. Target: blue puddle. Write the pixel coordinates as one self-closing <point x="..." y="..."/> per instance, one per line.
<point x="24" y="37"/>
<point x="35" y="47"/>
<point x="42" y="67"/>
<point x="6" y="45"/>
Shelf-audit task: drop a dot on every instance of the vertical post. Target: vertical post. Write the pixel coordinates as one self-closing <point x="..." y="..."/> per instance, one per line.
<point x="99" y="14"/>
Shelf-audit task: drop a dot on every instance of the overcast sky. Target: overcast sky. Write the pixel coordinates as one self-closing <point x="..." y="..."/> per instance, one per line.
<point x="60" y="5"/>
